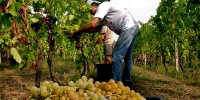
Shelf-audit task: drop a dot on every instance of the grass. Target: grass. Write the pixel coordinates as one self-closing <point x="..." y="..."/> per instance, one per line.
<point x="153" y="83"/>
<point x="64" y="66"/>
<point x="15" y="82"/>
<point x="192" y="76"/>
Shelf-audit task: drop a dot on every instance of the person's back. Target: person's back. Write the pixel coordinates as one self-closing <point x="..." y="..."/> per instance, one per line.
<point x="109" y="35"/>
<point x="109" y="38"/>
<point x="117" y="18"/>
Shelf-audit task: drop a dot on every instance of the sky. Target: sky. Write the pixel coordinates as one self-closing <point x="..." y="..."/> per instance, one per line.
<point x="142" y="9"/>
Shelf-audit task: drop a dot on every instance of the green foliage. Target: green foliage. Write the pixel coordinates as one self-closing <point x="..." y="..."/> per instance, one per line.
<point x="21" y="65"/>
<point x="15" y="55"/>
<point x="170" y="24"/>
<point x="5" y="20"/>
<point x="34" y="20"/>
<point x="63" y="18"/>
<point x="176" y="21"/>
<point x="14" y="8"/>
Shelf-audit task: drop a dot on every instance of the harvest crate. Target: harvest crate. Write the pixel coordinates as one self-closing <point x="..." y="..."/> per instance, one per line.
<point x="104" y="72"/>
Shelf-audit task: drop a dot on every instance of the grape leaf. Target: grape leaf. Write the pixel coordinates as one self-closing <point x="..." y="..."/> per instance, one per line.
<point x="34" y="20"/>
<point x="43" y="1"/>
<point x="16" y="55"/>
<point x="31" y="55"/>
<point x="1" y="41"/>
<point x="21" y="65"/>
<point x="6" y="20"/>
<point x="14" y="40"/>
<point x="71" y="17"/>
<point x="35" y="1"/>
<point x="13" y="9"/>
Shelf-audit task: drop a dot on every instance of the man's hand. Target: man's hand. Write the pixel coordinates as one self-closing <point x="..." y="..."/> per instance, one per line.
<point x="71" y="36"/>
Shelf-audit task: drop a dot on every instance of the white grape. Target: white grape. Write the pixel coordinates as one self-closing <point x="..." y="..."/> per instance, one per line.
<point x="94" y="96"/>
<point x="55" y="98"/>
<point x="90" y="85"/>
<point x="118" y="91"/>
<point x="14" y="99"/>
<point x="102" y="98"/>
<point x="59" y="92"/>
<point x="44" y="93"/>
<point x="82" y="86"/>
<point x="43" y="87"/>
<point x="84" y="78"/>
<point x="34" y="89"/>
<point x="85" y="89"/>
<point x="91" y="80"/>
<point x="92" y="89"/>
<point x="55" y="86"/>
<point x="46" y="83"/>
<point x="71" y="83"/>
<point x="62" y="98"/>
<point x="47" y="99"/>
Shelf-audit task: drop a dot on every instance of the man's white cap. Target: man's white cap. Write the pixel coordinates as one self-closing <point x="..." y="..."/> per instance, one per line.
<point x="93" y="2"/>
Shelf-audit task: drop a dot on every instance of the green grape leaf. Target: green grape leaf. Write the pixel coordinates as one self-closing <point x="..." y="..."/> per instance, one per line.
<point x="35" y="1"/>
<point x="24" y="54"/>
<point x="71" y="17"/>
<point x="73" y="11"/>
<point x="14" y="40"/>
<point x="34" y="20"/>
<point x="16" y="55"/>
<point x="185" y="53"/>
<point x="32" y="32"/>
<point x="31" y="55"/>
<point x="6" y="20"/>
<point x="13" y="9"/>
<point x="76" y="27"/>
<point x="21" y="65"/>
<point x="43" y="1"/>
<point x="1" y="41"/>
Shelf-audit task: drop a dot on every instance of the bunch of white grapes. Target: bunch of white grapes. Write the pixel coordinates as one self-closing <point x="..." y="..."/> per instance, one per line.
<point x="84" y="89"/>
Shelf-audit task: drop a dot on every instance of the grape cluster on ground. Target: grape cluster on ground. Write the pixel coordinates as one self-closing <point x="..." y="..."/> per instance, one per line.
<point x="84" y="89"/>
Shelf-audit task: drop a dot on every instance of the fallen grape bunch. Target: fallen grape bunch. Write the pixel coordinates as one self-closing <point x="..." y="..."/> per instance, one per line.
<point x="84" y="89"/>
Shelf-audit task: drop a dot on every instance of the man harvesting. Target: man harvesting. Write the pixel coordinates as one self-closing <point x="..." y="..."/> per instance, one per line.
<point x="121" y="21"/>
<point x="108" y="38"/>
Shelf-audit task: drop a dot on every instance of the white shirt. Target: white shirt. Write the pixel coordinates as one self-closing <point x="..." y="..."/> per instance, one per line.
<point x="116" y="17"/>
<point x="109" y="35"/>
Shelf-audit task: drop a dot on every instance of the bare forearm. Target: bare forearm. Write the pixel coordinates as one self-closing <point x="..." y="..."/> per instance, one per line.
<point x="85" y="28"/>
<point x="98" y="41"/>
<point x="102" y="36"/>
<point x="95" y="29"/>
<point x="88" y="26"/>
